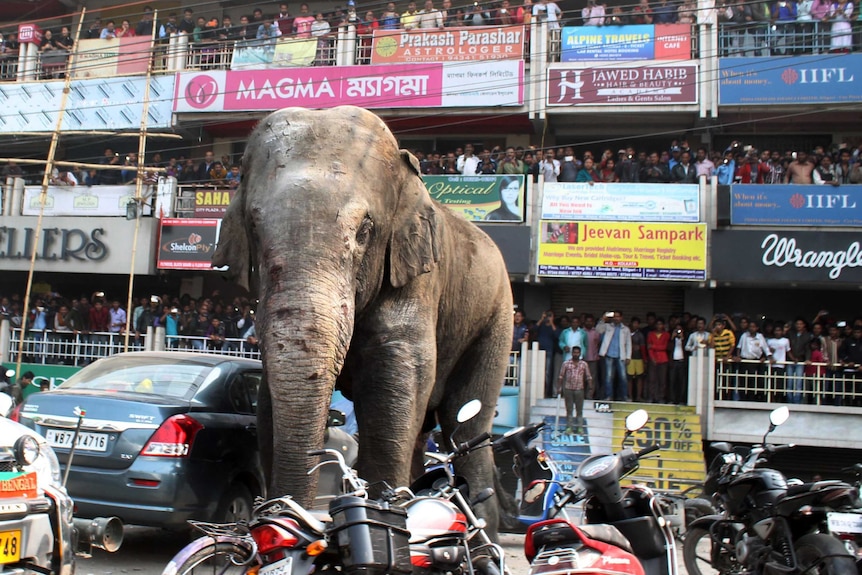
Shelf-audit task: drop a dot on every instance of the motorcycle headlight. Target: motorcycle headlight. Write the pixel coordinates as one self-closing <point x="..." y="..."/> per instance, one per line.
<point x="26" y="450"/>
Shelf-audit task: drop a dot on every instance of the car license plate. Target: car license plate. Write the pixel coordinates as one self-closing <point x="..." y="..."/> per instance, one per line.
<point x="844" y="522"/>
<point x="10" y="546"/>
<point x="89" y="441"/>
<point x="282" y="567"/>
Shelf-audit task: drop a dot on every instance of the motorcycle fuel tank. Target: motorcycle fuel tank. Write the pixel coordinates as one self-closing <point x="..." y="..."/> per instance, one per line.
<point x="757" y="488"/>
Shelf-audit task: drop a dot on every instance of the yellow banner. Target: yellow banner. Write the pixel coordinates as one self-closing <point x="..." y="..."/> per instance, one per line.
<point x="679" y="462"/>
<point x="622" y="250"/>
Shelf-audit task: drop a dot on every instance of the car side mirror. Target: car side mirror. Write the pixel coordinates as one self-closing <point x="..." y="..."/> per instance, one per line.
<point x="336" y="418"/>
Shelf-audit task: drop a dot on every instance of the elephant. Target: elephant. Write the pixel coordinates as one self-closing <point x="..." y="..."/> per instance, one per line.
<point x="367" y="285"/>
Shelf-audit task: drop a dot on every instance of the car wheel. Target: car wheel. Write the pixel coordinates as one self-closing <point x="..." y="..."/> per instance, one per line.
<point x="236" y="505"/>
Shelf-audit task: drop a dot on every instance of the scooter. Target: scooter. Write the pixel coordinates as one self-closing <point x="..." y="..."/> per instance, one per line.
<point x="539" y="478"/>
<point x="626" y="530"/>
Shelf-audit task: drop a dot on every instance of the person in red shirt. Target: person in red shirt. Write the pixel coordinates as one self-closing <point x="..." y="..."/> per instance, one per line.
<point x="658" y="341"/>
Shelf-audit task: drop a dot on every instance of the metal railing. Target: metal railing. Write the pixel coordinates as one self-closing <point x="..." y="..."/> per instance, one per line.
<point x="73" y="349"/>
<point x="8" y="67"/>
<point x="792" y="382"/>
<point x="778" y="39"/>
<point x="236" y="347"/>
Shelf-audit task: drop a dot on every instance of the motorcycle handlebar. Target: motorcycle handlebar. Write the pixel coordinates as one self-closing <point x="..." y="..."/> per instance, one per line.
<point x="470" y="444"/>
<point x="647" y="450"/>
<point x="777" y="448"/>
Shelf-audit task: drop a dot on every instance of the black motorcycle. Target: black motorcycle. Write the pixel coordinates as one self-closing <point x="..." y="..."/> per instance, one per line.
<point x="767" y="527"/>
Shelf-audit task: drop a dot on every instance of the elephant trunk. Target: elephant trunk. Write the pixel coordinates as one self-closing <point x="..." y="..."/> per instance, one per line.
<point x="305" y="333"/>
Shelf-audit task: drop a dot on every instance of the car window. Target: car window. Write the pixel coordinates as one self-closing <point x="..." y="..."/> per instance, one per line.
<point x="243" y="392"/>
<point x="165" y="377"/>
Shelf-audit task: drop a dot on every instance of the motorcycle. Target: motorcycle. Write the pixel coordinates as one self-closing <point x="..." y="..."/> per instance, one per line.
<point x="626" y="531"/>
<point x="427" y="529"/>
<point x="540" y="482"/>
<point x="767" y="526"/>
<point x="37" y="530"/>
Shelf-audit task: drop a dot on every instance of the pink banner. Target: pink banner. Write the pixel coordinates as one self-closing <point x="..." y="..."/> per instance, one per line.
<point x="397" y="85"/>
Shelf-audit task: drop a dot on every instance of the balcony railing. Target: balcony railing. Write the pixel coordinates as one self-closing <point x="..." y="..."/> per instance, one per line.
<point x="780" y="39"/>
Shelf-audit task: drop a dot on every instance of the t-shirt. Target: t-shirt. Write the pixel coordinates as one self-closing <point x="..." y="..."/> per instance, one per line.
<point x="723" y="343"/>
<point x="779" y="346"/>
<point x="638" y="341"/>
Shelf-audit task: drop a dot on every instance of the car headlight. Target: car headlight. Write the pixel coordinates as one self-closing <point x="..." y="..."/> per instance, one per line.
<point x="26" y="450"/>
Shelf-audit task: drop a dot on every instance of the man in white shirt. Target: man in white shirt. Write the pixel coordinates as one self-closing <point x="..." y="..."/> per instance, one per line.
<point x="698" y="340"/>
<point x="549" y="167"/>
<point x="467" y="162"/>
<point x="544" y="10"/>
<point x="704" y="165"/>
<point x="678" y="377"/>
<point x="779" y="346"/>
<point x="752" y="347"/>
<point x="593" y="14"/>
<point x="430" y="17"/>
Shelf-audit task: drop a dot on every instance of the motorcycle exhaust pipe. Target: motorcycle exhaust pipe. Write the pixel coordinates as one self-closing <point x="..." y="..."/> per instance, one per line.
<point x="102" y="532"/>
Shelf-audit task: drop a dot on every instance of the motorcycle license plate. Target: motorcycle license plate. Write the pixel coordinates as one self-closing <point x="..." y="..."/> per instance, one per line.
<point x="282" y="567"/>
<point x="89" y="441"/>
<point x="844" y="522"/>
<point x="10" y="546"/>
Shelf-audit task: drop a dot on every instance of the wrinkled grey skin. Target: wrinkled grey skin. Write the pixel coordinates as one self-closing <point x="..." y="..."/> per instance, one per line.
<point x="366" y="282"/>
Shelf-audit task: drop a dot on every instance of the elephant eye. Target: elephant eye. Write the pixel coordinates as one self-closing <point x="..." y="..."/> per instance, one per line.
<point x="363" y="234"/>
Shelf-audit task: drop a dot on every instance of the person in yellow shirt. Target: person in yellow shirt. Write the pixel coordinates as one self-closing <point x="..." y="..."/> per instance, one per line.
<point x="410" y="17"/>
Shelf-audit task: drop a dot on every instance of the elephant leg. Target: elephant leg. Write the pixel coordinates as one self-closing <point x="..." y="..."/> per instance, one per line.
<point x="478" y="375"/>
<point x="390" y="400"/>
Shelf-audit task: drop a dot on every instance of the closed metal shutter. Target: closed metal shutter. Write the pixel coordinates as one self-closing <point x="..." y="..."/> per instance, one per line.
<point x="632" y="300"/>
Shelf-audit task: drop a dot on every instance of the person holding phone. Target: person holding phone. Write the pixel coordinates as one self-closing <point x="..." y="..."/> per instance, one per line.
<point x="616" y="352"/>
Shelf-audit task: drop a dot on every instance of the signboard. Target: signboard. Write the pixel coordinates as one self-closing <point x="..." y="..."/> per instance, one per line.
<point x="53" y="374"/>
<point x="14" y="484"/>
<point x="632" y="42"/>
<point x="29" y="34"/>
<point x="791" y="256"/>
<point x="830" y="78"/>
<point x="449" y="45"/>
<point x="212" y="202"/>
<point x="622" y="250"/>
<point x="97" y="58"/>
<point x="621" y="202"/>
<point x="187" y="243"/>
<point x="480" y="198"/>
<point x="285" y="53"/>
<point x="80" y="201"/>
<point x="795" y="205"/>
<point x="96" y="104"/>
<point x="615" y="86"/>
<point x="495" y="83"/>
<point x="72" y="244"/>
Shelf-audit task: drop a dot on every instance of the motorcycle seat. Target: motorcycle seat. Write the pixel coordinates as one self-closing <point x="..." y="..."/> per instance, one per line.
<point x="813" y="486"/>
<point x="607" y="534"/>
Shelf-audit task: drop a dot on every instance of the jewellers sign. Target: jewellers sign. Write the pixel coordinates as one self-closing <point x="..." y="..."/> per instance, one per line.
<point x="570" y="85"/>
<point x="751" y="256"/>
<point x="75" y="244"/>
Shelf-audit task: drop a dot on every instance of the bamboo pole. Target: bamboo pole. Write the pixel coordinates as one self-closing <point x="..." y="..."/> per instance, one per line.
<point x="79" y="165"/>
<point x="139" y="181"/>
<point x="55" y="139"/>
<point x="100" y="133"/>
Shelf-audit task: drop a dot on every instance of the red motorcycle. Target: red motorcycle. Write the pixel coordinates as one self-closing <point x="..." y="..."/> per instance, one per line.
<point x="627" y="532"/>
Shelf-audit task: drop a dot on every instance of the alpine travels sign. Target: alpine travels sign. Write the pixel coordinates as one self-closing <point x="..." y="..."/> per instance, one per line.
<point x="749" y="256"/>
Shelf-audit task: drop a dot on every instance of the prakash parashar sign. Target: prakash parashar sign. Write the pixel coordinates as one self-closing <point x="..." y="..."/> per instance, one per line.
<point x="791" y="256"/>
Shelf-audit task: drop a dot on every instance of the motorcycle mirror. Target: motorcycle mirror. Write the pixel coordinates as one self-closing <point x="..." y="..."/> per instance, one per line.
<point x="336" y="418"/>
<point x="469" y="410"/>
<point x="779" y="415"/>
<point x="10" y="373"/>
<point x="636" y="420"/>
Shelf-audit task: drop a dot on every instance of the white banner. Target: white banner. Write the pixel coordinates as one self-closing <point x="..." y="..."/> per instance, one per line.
<point x="621" y="202"/>
<point x="80" y="200"/>
<point x="95" y="104"/>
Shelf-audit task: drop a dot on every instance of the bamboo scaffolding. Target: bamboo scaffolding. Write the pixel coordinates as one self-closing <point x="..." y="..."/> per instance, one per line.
<point x="82" y="165"/>
<point x="142" y="150"/>
<point x="55" y="139"/>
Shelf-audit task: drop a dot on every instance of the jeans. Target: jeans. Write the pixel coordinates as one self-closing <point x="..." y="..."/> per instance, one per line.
<point x="615" y="368"/>
<point x="549" y="373"/>
<point x="794" y="382"/>
<point x="574" y="400"/>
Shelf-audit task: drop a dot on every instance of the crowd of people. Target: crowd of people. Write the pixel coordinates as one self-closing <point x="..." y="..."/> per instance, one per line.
<point x="98" y="322"/>
<point x="837" y="165"/>
<point x="606" y="358"/>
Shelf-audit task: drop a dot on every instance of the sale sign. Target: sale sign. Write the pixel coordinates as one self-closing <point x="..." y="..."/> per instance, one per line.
<point x="622" y="250"/>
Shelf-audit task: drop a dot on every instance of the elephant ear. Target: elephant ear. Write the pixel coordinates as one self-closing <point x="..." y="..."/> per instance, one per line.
<point x="414" y="248"/>
<point x="233" y="246"/>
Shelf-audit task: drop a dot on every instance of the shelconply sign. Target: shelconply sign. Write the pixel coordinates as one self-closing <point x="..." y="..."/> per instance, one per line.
<point x="791" y="256"/>
<point x="437" y="85"/>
